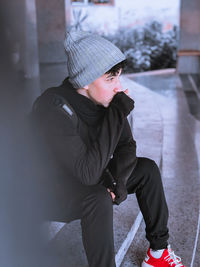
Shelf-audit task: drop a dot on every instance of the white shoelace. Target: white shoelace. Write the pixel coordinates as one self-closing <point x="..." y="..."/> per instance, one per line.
<point x="175" y="259"/>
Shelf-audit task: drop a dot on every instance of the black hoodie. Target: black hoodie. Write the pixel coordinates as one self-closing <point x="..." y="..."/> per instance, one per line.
<point x="97" y="141"/>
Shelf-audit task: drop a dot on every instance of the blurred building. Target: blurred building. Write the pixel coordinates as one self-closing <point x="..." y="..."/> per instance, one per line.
<point x="189" y="44"/>
<point x="38" y="27"/>
<point x="108" y="16"/>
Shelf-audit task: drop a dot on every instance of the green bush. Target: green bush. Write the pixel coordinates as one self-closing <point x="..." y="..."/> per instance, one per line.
<point x="147" y="48"/>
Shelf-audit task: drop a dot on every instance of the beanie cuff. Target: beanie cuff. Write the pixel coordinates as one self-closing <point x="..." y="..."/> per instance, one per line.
<point x="89" y="57"/>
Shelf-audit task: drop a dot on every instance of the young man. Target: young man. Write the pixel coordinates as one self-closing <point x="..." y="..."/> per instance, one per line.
<point x="84" y="121"/>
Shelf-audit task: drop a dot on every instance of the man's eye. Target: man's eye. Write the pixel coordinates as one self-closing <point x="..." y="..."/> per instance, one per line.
<point x="110" y="79"/>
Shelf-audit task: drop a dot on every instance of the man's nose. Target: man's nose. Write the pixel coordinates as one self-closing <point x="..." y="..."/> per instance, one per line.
<point x="118" y="86"/>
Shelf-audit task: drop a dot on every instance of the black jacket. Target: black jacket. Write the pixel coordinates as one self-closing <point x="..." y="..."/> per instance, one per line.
<point x="89" y="143"/>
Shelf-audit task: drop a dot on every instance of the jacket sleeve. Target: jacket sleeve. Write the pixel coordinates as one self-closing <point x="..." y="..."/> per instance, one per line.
<point x="124" y="157"/>
<point x="85" y="163"/>
<point x="123" y="162"/>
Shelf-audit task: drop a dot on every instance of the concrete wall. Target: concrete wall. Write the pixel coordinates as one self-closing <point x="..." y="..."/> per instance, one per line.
<point x="190" y="25"/>
<point x="189" y="36"/>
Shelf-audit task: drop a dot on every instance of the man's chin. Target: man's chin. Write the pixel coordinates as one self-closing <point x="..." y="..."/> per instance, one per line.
<point x="105" y="105"/>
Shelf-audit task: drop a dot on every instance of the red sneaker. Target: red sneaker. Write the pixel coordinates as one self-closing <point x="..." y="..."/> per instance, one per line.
<point x="168" y="259"/>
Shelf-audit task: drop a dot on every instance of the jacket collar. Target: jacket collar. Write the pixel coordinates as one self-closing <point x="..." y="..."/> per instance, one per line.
<point x="85" y="108"/>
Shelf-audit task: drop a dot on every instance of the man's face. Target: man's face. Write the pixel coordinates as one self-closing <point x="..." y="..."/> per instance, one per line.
<point x="102" y="90"/>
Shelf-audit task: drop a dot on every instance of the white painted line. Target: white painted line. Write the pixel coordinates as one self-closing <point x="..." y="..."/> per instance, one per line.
<point x="196" y="240"/>
<point x="197" y="145"/>
<point x="194" y="85"/>
<point x="127" y="242"/>
<point x="52" y="228"/>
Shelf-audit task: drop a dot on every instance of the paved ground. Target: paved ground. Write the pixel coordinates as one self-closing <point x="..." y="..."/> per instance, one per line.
<point x="167" y="131"/>
<point x="180" y="169"/>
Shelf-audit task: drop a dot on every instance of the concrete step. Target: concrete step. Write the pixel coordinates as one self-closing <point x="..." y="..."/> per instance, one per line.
<point x="180" y="172"/>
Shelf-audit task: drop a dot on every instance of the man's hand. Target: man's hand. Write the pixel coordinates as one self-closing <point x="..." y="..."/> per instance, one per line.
<point x="126" y="92"/>
<point x="112" y="194"/>
<point x="122" y="102"/>
<point x="120" y="192"/>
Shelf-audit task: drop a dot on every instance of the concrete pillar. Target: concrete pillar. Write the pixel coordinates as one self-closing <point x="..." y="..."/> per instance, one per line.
<point x="51" y="30"/>
<point x="189" y="45"/>
<point x="22" y="33"/>
<point x="21" y="28"/>
<point x="31" y="59"/>
<point x="68" y="13"/>
<point x="51" y="23"/>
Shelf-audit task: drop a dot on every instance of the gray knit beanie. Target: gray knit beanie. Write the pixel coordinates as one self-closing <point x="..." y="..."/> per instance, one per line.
<point x="89" y="57"/>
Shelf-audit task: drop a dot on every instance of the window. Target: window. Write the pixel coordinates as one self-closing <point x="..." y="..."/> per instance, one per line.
<point x="100" y="1"/>
<point x="78" y="1"/>
<point x="94" y="2"/>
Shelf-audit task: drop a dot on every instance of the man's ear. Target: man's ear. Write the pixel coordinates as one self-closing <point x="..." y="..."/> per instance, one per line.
<point x="83" y="90"/>
<point x="86" y="87"/>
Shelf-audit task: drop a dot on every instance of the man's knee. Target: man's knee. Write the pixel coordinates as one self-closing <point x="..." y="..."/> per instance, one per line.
<point x="146" y="163"/>
<point x="98" y="199"/>
<point x="150" y="167"/>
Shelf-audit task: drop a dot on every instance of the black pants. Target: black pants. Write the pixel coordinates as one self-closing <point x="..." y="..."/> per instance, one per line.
<point x="95" y="209"/>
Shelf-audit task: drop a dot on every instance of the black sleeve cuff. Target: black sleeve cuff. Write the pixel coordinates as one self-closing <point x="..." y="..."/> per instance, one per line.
<point x="122" y="102"/>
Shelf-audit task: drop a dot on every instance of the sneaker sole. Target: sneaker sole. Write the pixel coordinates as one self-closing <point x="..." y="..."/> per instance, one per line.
<point x="144" y="264"/>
